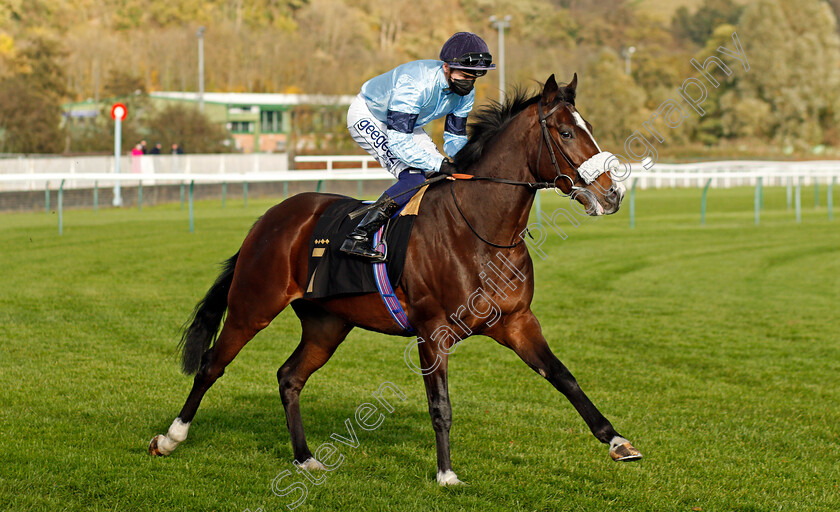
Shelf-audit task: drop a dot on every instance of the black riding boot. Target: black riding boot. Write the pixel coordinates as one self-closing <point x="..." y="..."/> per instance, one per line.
<point x="359" y="241"/>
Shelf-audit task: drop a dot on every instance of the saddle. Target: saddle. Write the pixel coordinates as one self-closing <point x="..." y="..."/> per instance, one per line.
<point x="333" y="273"/>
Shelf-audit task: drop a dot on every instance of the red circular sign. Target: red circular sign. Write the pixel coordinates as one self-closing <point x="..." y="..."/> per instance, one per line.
<point x="119" y="111"/>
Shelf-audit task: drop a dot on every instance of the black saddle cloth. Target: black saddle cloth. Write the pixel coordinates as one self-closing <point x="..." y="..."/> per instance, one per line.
<point x="331" y="272"/>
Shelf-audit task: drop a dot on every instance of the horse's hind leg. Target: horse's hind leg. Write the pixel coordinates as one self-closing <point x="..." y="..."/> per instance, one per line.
<point x="231" y="340"/>
<point x="322" y="333"/>
<point x="241" y="325"/>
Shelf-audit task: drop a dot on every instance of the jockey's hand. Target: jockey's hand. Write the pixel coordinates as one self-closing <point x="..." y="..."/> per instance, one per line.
<point x="447" y="168"/>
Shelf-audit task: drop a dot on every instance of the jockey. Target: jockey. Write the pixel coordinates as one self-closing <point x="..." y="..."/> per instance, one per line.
<point x="386" y="119"/>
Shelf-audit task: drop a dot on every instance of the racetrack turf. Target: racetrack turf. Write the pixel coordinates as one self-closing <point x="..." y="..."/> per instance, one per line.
<point x="714" y="348"/>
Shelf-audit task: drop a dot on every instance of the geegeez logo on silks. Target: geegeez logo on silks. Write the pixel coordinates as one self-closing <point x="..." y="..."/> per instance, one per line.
<point x="378" y="139"/>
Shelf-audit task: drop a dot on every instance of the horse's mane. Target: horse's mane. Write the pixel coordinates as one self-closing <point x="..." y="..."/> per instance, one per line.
<point x="491" y="119"/>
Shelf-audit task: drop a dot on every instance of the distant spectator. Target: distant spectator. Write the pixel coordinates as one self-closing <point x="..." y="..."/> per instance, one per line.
<point x="156" y="150"/>
<point x="176" y="150"/>
<point x="143" y="146"/>
<point x="136" y="153"/>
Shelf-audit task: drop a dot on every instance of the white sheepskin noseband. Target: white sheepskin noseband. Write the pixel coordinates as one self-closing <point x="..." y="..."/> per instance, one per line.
<point x="596" y="166"/>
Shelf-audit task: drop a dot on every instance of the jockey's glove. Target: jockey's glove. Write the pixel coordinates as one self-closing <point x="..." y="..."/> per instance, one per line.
<point x="447" y="167"/>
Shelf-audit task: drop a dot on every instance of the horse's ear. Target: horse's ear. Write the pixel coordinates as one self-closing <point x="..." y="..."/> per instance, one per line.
<point x="571" y="90"/>
<point x="573" y="84"/>
<point x="550" y="90"/>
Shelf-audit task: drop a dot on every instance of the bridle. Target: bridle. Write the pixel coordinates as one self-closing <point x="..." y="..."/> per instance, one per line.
<point x="550" y="142"/>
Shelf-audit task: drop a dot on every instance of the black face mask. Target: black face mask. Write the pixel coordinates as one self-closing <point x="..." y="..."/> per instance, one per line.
<point x="461" y="87"/>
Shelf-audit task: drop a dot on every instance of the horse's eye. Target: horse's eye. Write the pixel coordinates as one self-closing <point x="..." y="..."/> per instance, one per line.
<point x="566" y="134"/>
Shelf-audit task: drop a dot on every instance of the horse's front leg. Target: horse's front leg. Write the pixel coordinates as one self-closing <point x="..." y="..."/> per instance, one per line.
<point x="522" y="333"/>
<point x="434" y="363"/>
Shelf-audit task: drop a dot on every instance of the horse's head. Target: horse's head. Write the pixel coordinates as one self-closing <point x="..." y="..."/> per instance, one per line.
<point x="569" y="155"/>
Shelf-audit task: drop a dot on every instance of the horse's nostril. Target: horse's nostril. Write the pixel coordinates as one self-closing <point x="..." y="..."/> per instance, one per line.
<point x="614" y="195"/>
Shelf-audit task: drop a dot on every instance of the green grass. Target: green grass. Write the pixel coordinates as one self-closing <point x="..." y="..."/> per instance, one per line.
<point x="714" y="349"/>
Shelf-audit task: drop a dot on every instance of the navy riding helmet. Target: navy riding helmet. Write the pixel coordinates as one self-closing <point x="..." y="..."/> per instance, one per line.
<point x="467" y="51"/>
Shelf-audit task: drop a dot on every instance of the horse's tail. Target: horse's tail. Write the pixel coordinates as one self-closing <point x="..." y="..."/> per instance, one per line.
<point x="199" y="331"/>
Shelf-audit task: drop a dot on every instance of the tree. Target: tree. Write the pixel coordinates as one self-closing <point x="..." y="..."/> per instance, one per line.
<point x="711" y="127"/>
<point x="794" y="52"/>
<point x="188" y="128"/>
<point x="835" y="8"/>
<point x="40" y="60"/>
<point x="610" y="100"/>
<point x="30" y="99"/>
<point x="121" y="84"/>
<point x="29" y="119"/>
<point x="699" y="26"/>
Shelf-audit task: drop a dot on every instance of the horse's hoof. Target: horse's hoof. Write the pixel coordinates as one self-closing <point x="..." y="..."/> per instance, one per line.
<point x="625" y="452"/>
<point x="311" y="463"/>
<point x="153" y="447"/>
<point x="448" y="478"/>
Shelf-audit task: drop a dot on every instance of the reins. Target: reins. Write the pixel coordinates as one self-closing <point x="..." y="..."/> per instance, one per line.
<point x="488" y="242"/>
<point x="533" y="185"/>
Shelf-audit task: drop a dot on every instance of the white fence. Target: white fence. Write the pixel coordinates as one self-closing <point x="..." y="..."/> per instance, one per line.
<point x="735" y="173"/>
<point x="61" y="173"/>
<point x="32" y="173"/>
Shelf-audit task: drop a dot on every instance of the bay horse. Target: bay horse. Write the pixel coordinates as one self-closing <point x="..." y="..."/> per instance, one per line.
<point x="461" y="225"/>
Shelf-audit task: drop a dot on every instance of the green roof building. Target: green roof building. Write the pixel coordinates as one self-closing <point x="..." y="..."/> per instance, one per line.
<point x="257" y="122"/>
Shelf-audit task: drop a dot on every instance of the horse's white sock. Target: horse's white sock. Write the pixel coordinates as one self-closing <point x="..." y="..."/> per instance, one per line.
<point x="447" y="478"/>
<point x="176" y="434"/>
